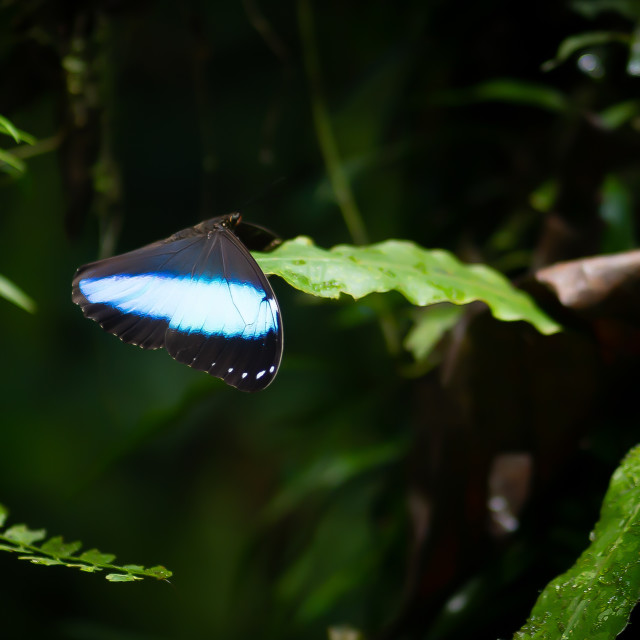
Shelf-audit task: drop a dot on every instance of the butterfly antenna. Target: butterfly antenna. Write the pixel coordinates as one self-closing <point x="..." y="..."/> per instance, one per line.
<point x="262" y="194"/>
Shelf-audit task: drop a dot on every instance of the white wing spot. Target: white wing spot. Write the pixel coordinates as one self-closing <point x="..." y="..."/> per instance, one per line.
<point x="259" y="375"/>
<point x="230" y="370"/>
<point x="272" y="368"/>
<point x="244" y="375"/>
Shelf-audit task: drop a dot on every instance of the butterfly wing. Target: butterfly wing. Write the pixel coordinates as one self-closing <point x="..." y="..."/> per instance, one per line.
<point x="200" y="295"/>
<point x="235" y="332"/>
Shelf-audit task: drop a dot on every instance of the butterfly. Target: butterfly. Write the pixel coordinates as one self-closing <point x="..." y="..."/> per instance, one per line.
<point x="199" y="294"/>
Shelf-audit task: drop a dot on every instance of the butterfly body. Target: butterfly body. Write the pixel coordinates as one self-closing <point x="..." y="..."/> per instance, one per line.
<point x="199" y="294"/>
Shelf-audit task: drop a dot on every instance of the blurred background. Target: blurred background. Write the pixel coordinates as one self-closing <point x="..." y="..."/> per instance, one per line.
<point x="364" y="492"/>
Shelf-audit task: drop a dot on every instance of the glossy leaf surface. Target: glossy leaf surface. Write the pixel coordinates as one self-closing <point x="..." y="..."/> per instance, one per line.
<point x="422" y="276"/>
<point x="594" y="598"/>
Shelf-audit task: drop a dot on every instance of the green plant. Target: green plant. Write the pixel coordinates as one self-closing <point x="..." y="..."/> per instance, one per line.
<point x="11" y="163"/>
<point x="595" y="597"/>
<point x="55" y="551"/>
<point x="424" y="277"/>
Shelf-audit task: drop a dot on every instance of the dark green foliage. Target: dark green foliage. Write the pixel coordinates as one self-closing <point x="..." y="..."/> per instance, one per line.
<point x="595" y="597"/>
<point x="10" y="161"/>
<point x="21" y="540"/>
<point x="413" y="472"/>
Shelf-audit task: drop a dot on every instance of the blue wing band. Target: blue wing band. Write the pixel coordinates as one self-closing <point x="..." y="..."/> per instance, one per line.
<point x="211" y="307"/>
<point x="199" y="294"/>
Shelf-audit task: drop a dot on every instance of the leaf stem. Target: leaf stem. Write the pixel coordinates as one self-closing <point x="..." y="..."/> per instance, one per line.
<point x="37" y="148"/>
<point x="36" y="552"/>
<point x="324" y="130"/>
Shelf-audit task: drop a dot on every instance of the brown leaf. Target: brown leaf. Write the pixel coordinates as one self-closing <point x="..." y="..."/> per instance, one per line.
<point x="602" y="285"/>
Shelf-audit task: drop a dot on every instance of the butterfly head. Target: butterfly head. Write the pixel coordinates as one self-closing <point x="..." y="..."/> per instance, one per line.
<point x="232" y="220"/>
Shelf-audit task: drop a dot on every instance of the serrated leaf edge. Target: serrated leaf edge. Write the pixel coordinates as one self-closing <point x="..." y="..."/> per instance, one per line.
<point x="88" y="561"/>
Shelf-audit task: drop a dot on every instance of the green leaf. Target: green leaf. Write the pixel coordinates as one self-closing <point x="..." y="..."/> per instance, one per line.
<point x="592" y="8"/>
<point x="423" y="276"/>
<point x="122" y="577"/>
<point x="57" y="547"/>
<point x="11" y="161"/>
<point x="94" y="556"/>
<point x="10" y="292"/>
<point x="620" y="113"/>
<point x="8" y="128"/>
<point x="56" y="551"/>
<point x="544" y="197"/>
<point x="429" y="328"/>
<point x="21" y="534"/>
<point x="158" y="572"/>
<point x="87" y="568"/>
<point x="594" y="598"/>
<point x="633" y="64"/>
<point x="509" y="90"/>
<point x="40" y="560"/>
<point x="519" y="92"/>
<point x="617" y="214"/>
<point x="573" y="44"/>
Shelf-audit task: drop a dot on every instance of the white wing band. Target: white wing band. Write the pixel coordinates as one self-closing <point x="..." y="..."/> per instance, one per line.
<point x="211" y="307"/>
